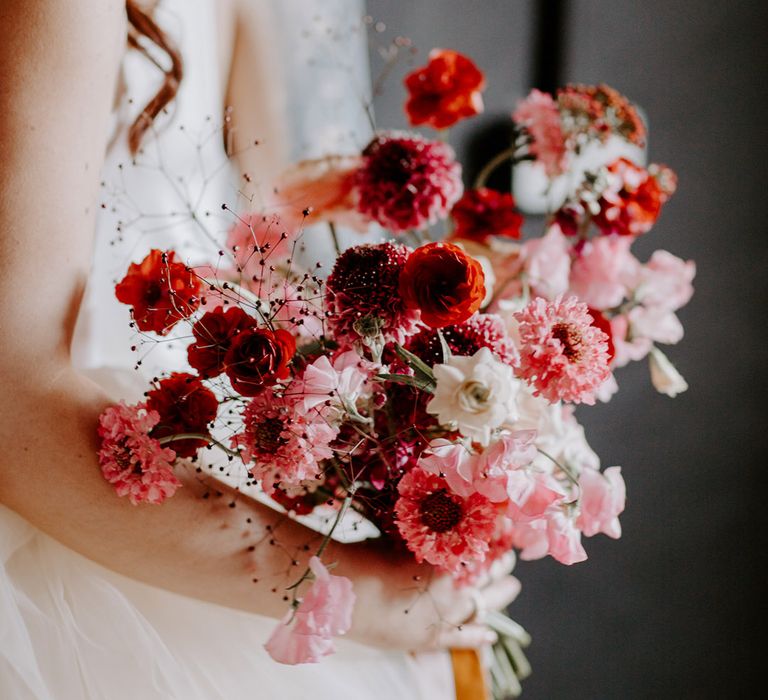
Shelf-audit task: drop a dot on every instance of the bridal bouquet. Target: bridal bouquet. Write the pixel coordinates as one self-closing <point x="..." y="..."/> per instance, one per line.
<point x="429" y="381"/>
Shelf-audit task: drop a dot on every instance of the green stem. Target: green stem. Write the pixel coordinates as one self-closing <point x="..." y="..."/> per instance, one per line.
<point x="334" y="238"/>
<point x="508" y="154"/>
<point x="572" y="477"/>
<point x="198" y="436"/>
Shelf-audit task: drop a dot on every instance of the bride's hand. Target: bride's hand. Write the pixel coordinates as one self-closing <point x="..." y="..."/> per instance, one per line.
<point x="403" y="605"/>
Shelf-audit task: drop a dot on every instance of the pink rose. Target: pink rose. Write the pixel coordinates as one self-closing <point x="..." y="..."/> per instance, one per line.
<point x="603" y="270"/>
<point x="325" y="611"/>
<point x="602" y="500"/>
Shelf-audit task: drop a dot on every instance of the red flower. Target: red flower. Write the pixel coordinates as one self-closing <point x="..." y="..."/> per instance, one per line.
<point x="444" y="283"/>
<point x="258" y="358"/>
<point x="444" y="91"/>
<point x="214" y="333"/>
<point x="160" y="290"/>
<point x="185" y="406"/>
<point x="632" y="202"/>
<point x="601" y="322"/>
<point x="483" y="213"/>
<point x="407" y="182"/>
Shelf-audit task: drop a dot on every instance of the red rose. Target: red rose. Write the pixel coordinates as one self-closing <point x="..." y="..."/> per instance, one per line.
<point x="601" y="322"/>
<point x="257" y="358"/>
<point x="444" y="91"/>
<point x="632" y="203"/>
<point x="483" y="213"/>
<point x="214" y="333"/>
<point x="185" y="406"/>
<point x="160" y="290"/>
<point x="444" y="283"/>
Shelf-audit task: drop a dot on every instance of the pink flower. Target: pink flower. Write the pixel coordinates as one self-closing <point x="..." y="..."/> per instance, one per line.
<point x="262" y="240"/>
<point x="440" y="526"/>
<point x="134" y="463"/>
<point x="363" y="299"/>
<point x="324" y="188"/>
<point x="627" y="348"/>
<point x="603" y="270"/>
<point x="539" y="114"/>
<point x="453" y="462"/>
<point x="284" y="446"/>
<point x="665" y="281"/>
<point x="547" y="262"/>
<point x="602" y="500"/>
<point x="325" y="611"/>
<point x="332" y="389"/>
<point x="555" y="535"/>
<point x="563" y="356"/>
<point x="407" y="182"/>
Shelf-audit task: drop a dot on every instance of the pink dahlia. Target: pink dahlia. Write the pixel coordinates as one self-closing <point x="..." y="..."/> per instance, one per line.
<point x="134" y="463"/>
<point x="478" y="331"/>
<point x="362" y="295"/>
<point x="562" y="354"/>
<point x="407" y="182"/>
<point x="284" y="447"/>
<point x="439" y="526"/>
<point x="306" y="635"/>
<point x="539" y="114"/>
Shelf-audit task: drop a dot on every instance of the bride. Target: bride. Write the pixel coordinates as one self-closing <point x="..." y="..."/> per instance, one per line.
<point x="100" y="599"/>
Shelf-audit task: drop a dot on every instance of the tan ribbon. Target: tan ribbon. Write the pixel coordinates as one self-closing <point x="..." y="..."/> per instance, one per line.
<point x="468" y="675"/>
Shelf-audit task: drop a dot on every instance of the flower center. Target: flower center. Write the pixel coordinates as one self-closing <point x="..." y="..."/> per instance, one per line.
<point x="570" y="338"/>
<point x="153" y="293"/>
<point x="439" y="512"/>
<point x="473" y="396"/>
<point x="268" y="435"/>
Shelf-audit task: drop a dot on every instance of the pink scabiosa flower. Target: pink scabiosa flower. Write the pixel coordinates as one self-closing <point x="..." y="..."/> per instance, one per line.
<point x="439" y="526"/>
<point x="407" y="182"/>
<point x="601" y="499"/>
<point x="134" y="463"/>
<point x="362" y="295"/>
<point x="562" y="355"/>
<point x="305" y="635"/>
<point x="539" y="114"/>
<point x="283" y="446"/>
<point x="478" y="331"/>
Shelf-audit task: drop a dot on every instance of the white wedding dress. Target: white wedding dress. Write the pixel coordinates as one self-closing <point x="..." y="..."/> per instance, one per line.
<point x="71" y="629"/>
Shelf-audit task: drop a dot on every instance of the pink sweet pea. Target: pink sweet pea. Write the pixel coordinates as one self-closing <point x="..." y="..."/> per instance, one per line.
<point x="602" y="272"/>
<point x="665" y="281"/>
<point x="324" y="612"/>
<point x="555" y="534"/>
<point x="547" y="262"/>
<point x="602" y="500"/>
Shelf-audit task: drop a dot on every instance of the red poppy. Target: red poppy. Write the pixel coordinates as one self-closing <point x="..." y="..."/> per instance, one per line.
<point x="160" y="290"/>
<point x="214" y="333"/>
<point x="185" y="406"/>
<point x="444" y="283"/>
<point x="258" y="358"/>
<point x="483" y="213"/>
<point x="444" y="91"/>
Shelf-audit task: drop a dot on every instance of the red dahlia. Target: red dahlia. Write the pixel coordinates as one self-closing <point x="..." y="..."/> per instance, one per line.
<point x="214" y="333"/>
<point x="444" y="283"/>
<point x="483" y="213"/>
<point x="444" y="91"/>
<point x="479" y="331"/>
<point x="185" y="406"/>
<point x="258" y="358"/>
<point x="407" y="182"/>
<point x="160" y="290"/>
<point x="362" y="297"/>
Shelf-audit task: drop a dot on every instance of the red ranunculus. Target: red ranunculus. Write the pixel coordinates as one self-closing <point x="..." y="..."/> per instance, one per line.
<point x="444" y="91"/>
<point x="185" y="406"/>
<point x="444" y="283"/>
<point x="258" y="358"/>
<point x="160" y="290"/>
<point x="483" y="213"/>
<point x="214" y="333"/>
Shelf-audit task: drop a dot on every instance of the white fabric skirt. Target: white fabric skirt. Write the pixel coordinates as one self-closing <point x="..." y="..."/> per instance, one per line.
<point x="73" y="630"/>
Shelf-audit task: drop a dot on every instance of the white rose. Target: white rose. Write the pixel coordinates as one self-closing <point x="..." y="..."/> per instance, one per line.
<point x="664" y="377"/>
<point x="475" y="394"/>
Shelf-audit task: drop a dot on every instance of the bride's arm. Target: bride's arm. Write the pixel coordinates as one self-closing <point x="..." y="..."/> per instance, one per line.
<point x="58" y="67"/>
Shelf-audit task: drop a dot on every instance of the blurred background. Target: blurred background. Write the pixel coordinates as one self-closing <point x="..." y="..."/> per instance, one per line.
<point x="670" y="610"/>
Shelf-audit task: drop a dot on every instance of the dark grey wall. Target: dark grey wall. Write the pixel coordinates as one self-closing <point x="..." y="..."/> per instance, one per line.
<point x="670" y="610"/>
